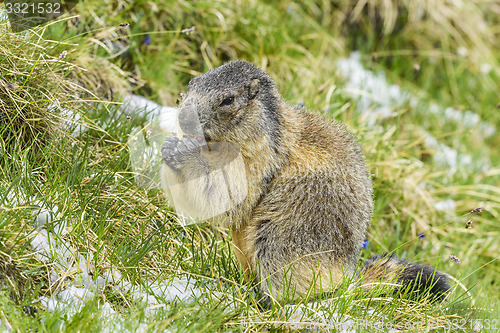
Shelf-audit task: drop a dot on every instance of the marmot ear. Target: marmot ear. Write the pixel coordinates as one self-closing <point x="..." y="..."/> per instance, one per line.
<point x="253" y="89"/>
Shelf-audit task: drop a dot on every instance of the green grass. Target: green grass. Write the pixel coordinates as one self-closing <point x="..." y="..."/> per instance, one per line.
<point x="117" y="225"/>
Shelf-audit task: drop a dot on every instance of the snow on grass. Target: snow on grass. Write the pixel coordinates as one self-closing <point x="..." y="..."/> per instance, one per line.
<point x="451" y="159"/>
<point x="164" y="116"/>
<point x="4" y="16"/>
<point x="70" y="300"/>
<point x="144" y="143"/>
<point x="13" y="197"/>
<point x="316" y="317"/>
<point x="70" y="120"/>
<point x="377" y="100"/>
<point x="161" y="292"/>
<point x="446" y="205"/>
<point x="76" y="273"/>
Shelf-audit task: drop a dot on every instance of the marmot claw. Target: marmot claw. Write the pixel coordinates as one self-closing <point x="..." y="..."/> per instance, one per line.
<point x="175" y="151"/>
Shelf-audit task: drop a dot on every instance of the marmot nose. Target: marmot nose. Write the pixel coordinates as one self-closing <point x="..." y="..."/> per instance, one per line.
<point x="189" y="122"/>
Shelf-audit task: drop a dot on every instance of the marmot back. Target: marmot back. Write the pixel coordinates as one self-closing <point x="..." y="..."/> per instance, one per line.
<point x="307" y="192"/>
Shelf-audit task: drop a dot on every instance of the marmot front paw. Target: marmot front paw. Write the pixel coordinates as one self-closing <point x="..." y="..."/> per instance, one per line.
<point x="175" y="151"/>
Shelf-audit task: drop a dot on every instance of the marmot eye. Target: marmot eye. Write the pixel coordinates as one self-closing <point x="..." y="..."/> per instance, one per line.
<point x="227" y="101"/>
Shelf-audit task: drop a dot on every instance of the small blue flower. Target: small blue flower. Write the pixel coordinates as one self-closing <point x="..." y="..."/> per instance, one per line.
<point x="421" y="235"/>
<point x="365" y="244"/>
<point x="146" y="40"/>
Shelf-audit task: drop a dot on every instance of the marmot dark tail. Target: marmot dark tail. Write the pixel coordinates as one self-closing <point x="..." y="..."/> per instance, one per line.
<point x="413" y="279"/>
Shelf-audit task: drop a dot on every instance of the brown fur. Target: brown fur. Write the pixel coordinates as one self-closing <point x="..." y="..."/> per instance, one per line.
<point x="308" y="195"/>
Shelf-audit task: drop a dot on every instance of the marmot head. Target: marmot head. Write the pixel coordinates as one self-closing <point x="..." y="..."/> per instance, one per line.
<point x="236" y="102"/>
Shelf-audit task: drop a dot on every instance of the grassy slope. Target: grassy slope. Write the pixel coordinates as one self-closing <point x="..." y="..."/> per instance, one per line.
<point x="133" y="230"/>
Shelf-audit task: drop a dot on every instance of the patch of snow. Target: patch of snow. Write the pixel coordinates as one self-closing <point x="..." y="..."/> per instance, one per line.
<point x="4" y="28"/>
<point x="462" y="51"/>
<point x="487" y="129"/>
<point x="168" y="120"/>
<point x="46" y="214"/>
<point x="48" y="249"/>
<point x="180" y="289"/>
<point x="318" y="317"/>
<point x="467" y="118"/>
<point x="85" y="285"/>
<point x="145" y="143"/>
<point x="3" y="15"/>
<point x="485" y="68"/>
<point x="70" y="120"/>
<point x="12" y="198"/>
<point x="69" y="300"/>
<point x="165" y="116"/>
<point x="446" y="205"/>
<point x="449" y="158"/>
<point x="309" y="316"/>
<point x="107" y="310"/>
<point x="376" y="99"/>
<point x="144" y="150"/>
